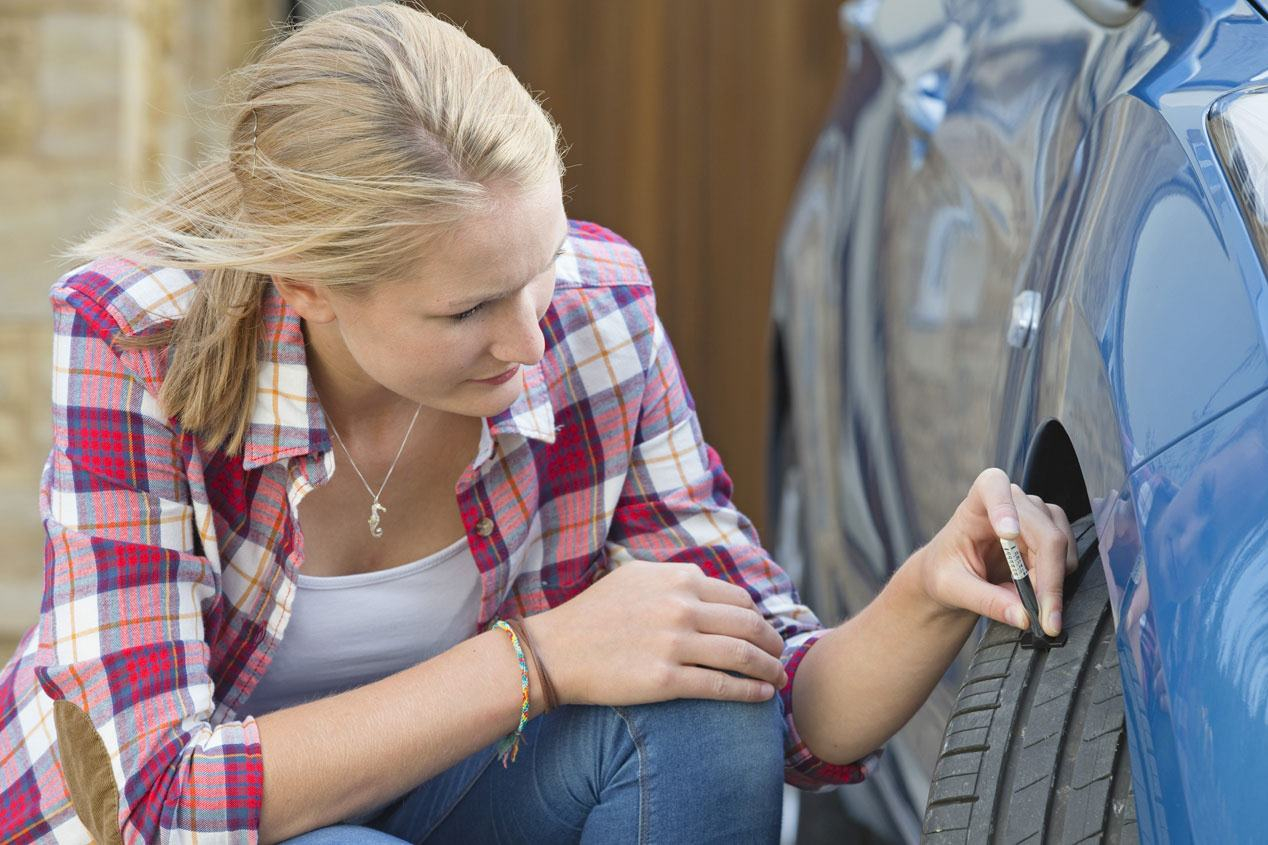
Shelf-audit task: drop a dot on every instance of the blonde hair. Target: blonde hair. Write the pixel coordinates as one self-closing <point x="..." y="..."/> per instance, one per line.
<point x="356" y="142"/>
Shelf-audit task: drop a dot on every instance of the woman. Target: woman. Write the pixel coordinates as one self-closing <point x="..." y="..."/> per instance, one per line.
<point x="238" y="642"/>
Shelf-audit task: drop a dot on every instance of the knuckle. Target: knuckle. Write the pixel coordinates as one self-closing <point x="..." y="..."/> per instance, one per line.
<point x="662" y="675"/>
<point x="720" y="685"/>
<point x="741" y="653"/>
<point x="1001" y="509"/>
<point x="682" y="613"/>
<point x="678" y="642"/>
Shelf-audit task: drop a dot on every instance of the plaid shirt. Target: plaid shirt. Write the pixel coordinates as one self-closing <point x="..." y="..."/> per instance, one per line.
<point x="170" y="569"/>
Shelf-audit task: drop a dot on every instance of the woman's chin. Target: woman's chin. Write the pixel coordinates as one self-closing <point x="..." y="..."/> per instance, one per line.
<point x="485" y="400"/>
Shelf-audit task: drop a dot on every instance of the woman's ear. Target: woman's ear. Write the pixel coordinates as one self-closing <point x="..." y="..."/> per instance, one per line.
<point x="310" y="301"/>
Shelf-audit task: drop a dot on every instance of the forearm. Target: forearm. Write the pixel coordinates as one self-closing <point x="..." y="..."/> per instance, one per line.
<point x="865" y="678"/>
<point x="330" y="759"/>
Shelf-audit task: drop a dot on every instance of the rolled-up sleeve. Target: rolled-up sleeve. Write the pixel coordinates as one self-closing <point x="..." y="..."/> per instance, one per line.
<point x="676" y="506"/>
<point x="123" y="652"/>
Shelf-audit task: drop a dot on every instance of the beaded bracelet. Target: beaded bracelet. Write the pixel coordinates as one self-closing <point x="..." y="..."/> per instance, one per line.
<point x="509" y="745"/>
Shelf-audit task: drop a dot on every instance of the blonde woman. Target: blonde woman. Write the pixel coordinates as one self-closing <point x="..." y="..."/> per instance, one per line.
<point x="365" y="456"/>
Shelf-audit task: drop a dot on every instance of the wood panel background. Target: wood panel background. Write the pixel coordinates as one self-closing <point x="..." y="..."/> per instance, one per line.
<point x="688" y="122"/>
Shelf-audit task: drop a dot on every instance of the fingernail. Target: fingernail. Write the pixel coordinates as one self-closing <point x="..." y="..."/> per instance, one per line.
<point x="1017" y="618"/>
<point x="1054" y="623"/>
<point x="1008" y="525"/>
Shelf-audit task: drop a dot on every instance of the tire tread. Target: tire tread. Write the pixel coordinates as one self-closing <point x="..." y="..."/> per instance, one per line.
<point x="1035" y="750"/>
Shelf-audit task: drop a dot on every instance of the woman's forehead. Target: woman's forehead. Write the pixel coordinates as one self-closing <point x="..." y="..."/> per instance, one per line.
<point x="495" y="253"/>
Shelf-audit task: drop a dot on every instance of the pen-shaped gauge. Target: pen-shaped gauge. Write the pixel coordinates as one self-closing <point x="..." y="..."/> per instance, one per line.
<point x="1021" y="580"/>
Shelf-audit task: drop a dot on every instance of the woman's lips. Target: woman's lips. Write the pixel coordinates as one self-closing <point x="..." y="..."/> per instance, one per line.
<point x="502" y="379"/>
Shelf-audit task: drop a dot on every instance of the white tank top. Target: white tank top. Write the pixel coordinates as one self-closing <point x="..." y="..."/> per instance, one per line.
<point x="349" y="630"/>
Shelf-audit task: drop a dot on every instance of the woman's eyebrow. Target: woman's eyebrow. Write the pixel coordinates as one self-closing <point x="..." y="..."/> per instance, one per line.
<point x="468" y="301"/>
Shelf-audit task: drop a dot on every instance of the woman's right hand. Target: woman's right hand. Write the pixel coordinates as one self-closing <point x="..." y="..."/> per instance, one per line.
<point x="649" y="631"/>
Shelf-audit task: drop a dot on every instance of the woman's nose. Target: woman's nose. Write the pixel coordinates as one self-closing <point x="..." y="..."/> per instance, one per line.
<point x="519" y="338"/>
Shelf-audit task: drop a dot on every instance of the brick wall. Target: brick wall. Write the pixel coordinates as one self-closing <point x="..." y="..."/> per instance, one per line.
<point x="99" y="100"/>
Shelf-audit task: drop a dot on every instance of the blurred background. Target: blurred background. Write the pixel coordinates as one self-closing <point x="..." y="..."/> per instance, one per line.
<point x="688" y="123"/>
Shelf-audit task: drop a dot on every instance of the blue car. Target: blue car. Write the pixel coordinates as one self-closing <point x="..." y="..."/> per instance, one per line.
<point x="1032" y="234"/>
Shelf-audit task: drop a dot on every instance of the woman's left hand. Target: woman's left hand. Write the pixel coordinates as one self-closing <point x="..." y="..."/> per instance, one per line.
<point x="963" y="567"/>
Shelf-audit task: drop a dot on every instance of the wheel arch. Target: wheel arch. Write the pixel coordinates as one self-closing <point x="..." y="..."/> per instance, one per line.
<point x="1052" y="470"/>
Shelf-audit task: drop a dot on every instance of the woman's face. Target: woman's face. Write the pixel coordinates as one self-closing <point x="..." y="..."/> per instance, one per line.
<point x="453" y="336"/>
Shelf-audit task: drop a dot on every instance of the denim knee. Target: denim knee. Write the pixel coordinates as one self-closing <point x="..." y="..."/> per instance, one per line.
<point x="736" y="745"/>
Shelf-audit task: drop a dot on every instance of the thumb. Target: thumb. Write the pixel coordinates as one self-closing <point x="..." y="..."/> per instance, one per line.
<point x="994" y="601"/>
<point x="992" y="492"/>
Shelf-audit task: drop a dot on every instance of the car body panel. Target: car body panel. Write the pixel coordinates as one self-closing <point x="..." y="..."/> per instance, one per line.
<point x="1191" y="527"/>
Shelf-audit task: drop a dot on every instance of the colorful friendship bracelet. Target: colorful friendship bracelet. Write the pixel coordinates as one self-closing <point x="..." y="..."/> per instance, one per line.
<point x="536" y="667"/>
<point x="509" y="746"/>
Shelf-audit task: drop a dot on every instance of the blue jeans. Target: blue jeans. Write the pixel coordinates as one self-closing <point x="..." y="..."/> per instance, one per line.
<point x="682" y="771"/>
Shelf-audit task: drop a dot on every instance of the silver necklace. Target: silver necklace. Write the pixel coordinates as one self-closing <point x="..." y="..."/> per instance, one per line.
<point x="375" y="508"/>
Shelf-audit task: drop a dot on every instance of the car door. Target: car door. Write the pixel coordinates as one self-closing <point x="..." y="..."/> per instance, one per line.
<point x="989" y="119"/>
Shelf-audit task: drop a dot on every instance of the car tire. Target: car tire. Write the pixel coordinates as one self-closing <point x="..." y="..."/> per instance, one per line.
<point x="1035" y="749"/>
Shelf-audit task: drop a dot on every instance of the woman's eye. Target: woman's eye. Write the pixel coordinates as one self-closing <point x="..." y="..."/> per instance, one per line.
<point x="468" y="313"/>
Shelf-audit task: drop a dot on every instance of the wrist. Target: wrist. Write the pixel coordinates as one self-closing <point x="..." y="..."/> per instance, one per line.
<point x="546" y="661"/>
<point x="912" y="587"/>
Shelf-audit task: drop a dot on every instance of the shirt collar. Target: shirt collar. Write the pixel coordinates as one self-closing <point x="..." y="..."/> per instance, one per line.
<point x="287" y="418"/>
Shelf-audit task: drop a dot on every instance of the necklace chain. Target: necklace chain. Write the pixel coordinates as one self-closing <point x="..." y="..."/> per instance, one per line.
<point x="375" y="508"/>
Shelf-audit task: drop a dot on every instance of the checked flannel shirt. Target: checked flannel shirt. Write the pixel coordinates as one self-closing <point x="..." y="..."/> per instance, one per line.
<point x="170" y="569"/>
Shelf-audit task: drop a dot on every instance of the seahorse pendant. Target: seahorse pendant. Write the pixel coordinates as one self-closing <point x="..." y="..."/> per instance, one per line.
<point x="375" y="510"/>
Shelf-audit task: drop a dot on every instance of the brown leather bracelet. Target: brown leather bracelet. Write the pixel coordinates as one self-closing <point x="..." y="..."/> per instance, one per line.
<point x="548" y="688"/>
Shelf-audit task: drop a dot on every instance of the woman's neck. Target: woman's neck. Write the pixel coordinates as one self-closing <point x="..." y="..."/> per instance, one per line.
<point x="363" y="412"/>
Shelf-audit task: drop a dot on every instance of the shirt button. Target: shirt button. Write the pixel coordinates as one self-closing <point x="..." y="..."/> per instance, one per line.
<point x="484" y="527"/>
